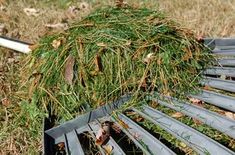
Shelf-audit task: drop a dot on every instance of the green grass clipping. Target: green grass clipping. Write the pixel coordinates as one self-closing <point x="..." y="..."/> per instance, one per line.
<point x="112" y="52"/>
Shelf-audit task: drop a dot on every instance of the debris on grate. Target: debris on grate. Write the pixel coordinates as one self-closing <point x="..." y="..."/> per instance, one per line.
<point x="118" y="134"/>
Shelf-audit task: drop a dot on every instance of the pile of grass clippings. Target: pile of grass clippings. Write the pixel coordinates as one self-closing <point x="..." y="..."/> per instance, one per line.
<point x="111" y="52"/>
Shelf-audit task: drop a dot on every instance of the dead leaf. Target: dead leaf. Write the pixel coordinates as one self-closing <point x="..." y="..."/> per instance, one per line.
<point x="103" y="134"/>
<point x="84" y="6"/>
<point x="108" y="149"/>
<point x="230" y="115"/>
<point x="200" y="37"/>
<point x="207" y="87"/>
<point x="196" y="101"/>
<point x="6" y="102"/>
<point x="57" y="42"/>
<point x="148" y="58"/>
<point x="197" y="122"/>
<point x="72" y="12"/>
<point x="68" y="74"/>
<point x="139" y="119"/>
<point x="177" y="115"/>
<point x="98" y="63"/>
<point x="61" y="146"/>
<point x="32" y="12"/>
<point x="101" y="44"/>
<point x="120" y="3"/>
<point x="60" y="26"/>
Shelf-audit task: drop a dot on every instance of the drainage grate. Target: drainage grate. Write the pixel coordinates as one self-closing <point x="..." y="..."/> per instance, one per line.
<point x="77" y="137"/>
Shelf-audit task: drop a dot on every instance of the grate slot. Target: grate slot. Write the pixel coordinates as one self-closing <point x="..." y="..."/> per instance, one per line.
<point x="227" y="71"/>
<point x="95" y="126"/>
<point x="220" y="100"/>
<point x="227" y="85"/>
<point x="221" y="123"/>
<point x="201" y="143"/>
<point x="148" y="143"/>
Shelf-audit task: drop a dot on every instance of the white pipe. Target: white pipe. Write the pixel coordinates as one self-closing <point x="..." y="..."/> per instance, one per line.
<point x="15" y="45"/>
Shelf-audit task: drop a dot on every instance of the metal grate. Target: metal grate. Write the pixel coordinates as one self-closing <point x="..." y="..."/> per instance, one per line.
<point x="68" y="133"/>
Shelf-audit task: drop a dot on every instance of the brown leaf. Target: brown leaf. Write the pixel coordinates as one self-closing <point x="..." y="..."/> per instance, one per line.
<point x="98" y="63"/>
<point x="197" y="122"/>
<point x="108" y="149"/>
<point x="103" y="134"/>
<point x="196" y="101"/>
<point x="148" y="58"/>
<point x="32" y="12"/>
<point x="139" y="119"/>
<point x="60" y="26"/>
<point x="6" y="102"/>
<point x="230" y="115"/>
<point x="61" y="146"/>
<point x="72" y="12"/>
<point x="120" y="3"/>
<point x="68" y="74"/>
<point x="84" y="6"/>
<point x="177" y="115"/>
<point x="207" y="88"/>
<point x="57" y="42"/>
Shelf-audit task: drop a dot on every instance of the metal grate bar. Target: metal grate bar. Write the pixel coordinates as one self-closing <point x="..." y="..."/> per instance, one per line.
<point x="228" y="71"/>
<point x="201" y="143"/>
<point x="227" y="85"/>
<point x="151" y="144"/>
<point x="219" y="42"/>
<point x="86" y="118"/>
<point x="221" y="123"/>
<point x="95" y="126"/>
<point x="228" y="52"/>
<point x="220" y="100"/>
<point x="74" y="145"/>
<point x="227" y="62"/>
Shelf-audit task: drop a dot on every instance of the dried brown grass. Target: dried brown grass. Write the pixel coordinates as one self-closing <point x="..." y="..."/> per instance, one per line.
<point x="210" y="18"/>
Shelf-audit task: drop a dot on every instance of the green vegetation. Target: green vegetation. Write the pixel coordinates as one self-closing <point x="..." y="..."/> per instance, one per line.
<point x="112" y="52"/>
